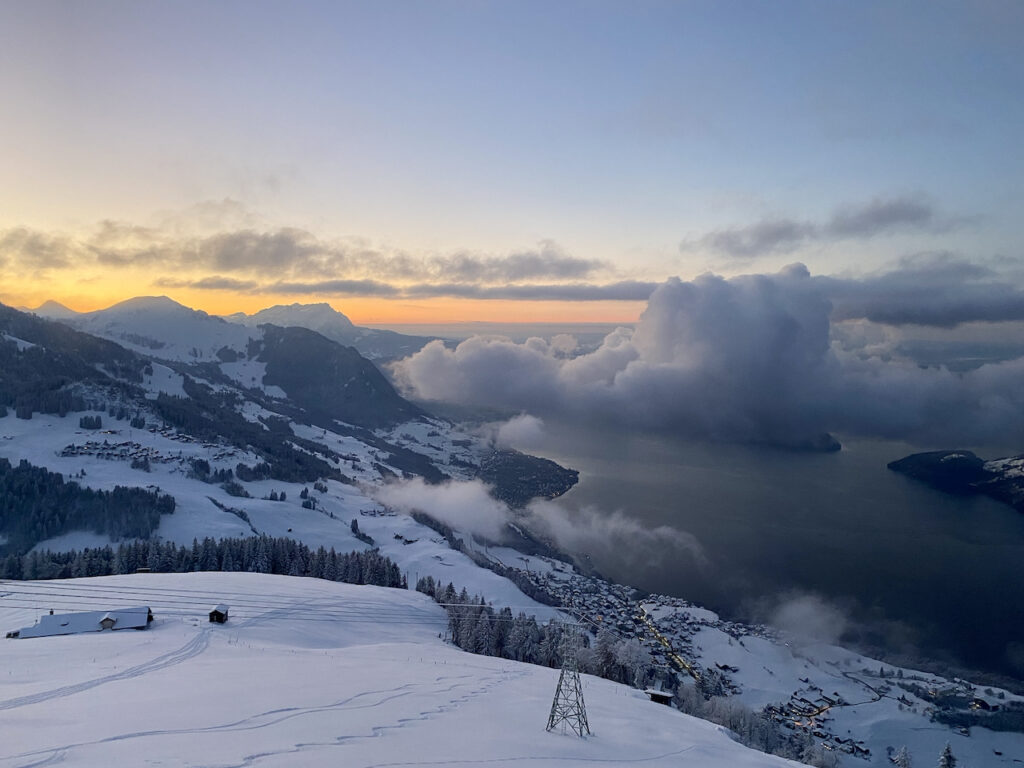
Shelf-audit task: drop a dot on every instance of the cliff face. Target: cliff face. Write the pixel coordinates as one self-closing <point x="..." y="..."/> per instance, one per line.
<point x="964" y="473"/>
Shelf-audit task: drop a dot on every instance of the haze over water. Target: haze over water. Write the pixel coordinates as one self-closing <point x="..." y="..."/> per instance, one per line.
<point x="913" y="569"/>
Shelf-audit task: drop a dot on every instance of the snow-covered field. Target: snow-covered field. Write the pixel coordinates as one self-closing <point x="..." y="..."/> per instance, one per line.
<point x="305" y="673"/>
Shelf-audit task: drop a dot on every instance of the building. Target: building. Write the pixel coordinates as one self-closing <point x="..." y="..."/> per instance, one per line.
<point x="660" y="697"/>
<point x="136" y="617"/>
<point x="219" y="614"/>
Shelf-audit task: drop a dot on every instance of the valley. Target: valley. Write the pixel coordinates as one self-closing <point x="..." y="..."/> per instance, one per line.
<point x="268" y="458"/>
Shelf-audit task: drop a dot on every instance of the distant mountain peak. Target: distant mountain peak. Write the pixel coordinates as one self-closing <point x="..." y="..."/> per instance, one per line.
<point x="302" y="314"/>
<point x="53" y="310"/>
<point x="151" y="304"/>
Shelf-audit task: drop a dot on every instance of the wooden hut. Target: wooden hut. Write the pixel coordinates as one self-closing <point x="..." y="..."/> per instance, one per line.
<point x="219" y="614"/>
<point x="660" y="697"/>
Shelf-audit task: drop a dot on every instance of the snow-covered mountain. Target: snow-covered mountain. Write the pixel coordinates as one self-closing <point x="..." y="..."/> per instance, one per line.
<point x="372" y="343"/>
<point x="54" y="310"/>
<point x="157" y="326"/>
<point x="163" y="328"/>
<point x="304" y="673"/>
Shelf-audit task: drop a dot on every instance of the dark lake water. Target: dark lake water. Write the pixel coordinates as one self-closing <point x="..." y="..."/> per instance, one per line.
<point x="916" y="571"/>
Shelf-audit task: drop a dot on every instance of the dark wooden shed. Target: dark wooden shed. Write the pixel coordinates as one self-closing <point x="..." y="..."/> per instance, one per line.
<point x="219" y="614"/>
<point x="660" y="697"/>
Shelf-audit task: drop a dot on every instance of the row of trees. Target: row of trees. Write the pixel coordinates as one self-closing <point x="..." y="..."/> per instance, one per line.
<point x="263" y="554"/>
<point x="476" y="627"/>
<point x="36" y="504"/>
<point x="516" y="576"/>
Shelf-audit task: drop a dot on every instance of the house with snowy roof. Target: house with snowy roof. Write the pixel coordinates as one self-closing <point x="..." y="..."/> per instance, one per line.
<point x="135" y="617"/>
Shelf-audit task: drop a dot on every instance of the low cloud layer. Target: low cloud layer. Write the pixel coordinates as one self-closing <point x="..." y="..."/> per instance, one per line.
<point x="933" y="289"/>
<point x="468" y="507"/>
<point x="744" y="359"/>
<point x="851" y="222"/>
<point x="465" y="506"/>
<point x="808" y="618"/>
<point x="602" y="535"/>
<point x="521" y="432"/>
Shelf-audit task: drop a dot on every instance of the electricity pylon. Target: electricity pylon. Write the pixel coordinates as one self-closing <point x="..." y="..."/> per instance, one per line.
<point x="568" y="706"/>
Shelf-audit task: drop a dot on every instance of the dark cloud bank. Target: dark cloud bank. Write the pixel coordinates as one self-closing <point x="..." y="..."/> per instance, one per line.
<point x="751" y="359"/>
<point x="851" y="222"/>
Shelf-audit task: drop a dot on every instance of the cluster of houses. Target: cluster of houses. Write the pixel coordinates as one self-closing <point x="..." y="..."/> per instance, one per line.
<point x="82" y="622"/>
<point x="123" y="451"/>
<point x="618" y="608"/>
<point x="129" y="450"/>
<point x="665" y="625"/>
<point x="808" y="710"/>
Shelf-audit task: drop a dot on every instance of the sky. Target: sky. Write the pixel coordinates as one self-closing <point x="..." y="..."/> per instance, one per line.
<point x="502" y="161"/>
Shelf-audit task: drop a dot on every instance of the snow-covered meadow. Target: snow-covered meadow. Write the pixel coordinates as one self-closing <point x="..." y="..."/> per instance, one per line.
<point x="305" y="672"/>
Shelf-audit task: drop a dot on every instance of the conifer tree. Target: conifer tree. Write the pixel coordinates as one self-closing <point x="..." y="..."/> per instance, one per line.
<point x="946" y="759"/>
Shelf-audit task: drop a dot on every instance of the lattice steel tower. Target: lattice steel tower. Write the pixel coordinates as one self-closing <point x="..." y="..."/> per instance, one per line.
<point x="568" y="706"/>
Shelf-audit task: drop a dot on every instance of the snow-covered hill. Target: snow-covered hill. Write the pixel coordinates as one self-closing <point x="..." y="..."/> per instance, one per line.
<point x="160" y="327"/>
<point x="371" y="342"/>
<point x="304" y="673"/>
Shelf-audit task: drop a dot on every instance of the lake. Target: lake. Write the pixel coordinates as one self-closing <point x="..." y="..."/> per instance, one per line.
<point x="914" y="570"/>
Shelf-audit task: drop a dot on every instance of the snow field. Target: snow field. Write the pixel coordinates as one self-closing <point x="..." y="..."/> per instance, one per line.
<point x="307" y="673"/>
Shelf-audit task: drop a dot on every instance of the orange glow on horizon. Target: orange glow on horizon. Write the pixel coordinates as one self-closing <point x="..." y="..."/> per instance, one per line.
<point x="362" y="311"/>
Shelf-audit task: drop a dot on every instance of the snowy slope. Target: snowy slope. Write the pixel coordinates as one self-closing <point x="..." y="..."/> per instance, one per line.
<point x="871" y="710"/>
<point x="306" y="673"/>
<point x="417" y="549"/>
<point x="160" y="327"/>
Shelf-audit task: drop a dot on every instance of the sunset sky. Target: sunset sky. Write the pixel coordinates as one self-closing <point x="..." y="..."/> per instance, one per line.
<point x="451" y="161"/>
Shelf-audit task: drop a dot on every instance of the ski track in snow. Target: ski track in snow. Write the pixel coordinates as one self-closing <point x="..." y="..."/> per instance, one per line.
<point x="525" y="758"/>
<point x="54" y="759"/>
<point x="273" y="717"/>
<point x="189" y="650"/>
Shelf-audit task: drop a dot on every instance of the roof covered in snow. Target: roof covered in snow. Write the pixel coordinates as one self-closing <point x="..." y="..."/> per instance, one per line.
<point x="135" y="617"/>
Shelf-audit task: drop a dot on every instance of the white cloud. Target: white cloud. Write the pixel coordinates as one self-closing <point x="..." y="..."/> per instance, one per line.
<point x="521" y="432"/>
<point x="608" y="535"/>
<point x="750" y="358"/>
<point x="465" y="506"/>
<point x="809" y="618"/>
